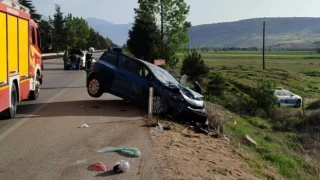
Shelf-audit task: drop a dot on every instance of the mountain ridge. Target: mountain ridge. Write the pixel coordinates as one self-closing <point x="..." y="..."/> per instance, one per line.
<point x="281" y="32"/>
<point x="286" y="32"/>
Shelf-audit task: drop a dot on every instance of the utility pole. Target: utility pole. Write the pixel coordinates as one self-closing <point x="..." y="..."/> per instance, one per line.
<point x="161" y="14"/>
<point x="263" y="47"/>
<point x="162" y="34"/>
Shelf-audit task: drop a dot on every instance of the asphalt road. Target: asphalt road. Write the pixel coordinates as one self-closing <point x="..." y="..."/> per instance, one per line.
<point x="44" y="141"/>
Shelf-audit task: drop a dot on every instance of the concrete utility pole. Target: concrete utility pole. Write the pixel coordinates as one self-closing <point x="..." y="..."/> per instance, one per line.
<point x="263" y="46"/>
<point x="162" y="26"/>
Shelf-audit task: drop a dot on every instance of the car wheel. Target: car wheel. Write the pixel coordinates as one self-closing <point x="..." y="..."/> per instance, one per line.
<point x="157" y="107"/>
<point x="10" y="113"/>
<point x="35" y="94"/>
<point x="298" y="104"/>
<point x="94" y="87"/>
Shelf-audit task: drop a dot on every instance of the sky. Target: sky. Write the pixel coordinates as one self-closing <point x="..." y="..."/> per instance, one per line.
<point x="201" y="11"/>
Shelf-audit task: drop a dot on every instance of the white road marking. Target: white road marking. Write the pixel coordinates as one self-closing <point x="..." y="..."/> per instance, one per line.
<point x="18" y="124"/>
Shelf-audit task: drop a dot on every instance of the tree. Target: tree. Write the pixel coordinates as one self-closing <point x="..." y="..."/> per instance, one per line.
<point x="318" y="50"/>
<point x="174" y="26"/>
<point x="33" y="12"/>
<point x="144" y="35"/>
<point x="59" y="33"/>
<point x="82" y="31"/>
<point x="194" y="66"/>
<point x="70" y="29"/>
<point x="44" y="25"/>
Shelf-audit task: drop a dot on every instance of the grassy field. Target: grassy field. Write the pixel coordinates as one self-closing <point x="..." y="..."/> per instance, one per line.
<point x="279" y="146"/>
<point x="299" y="71"/>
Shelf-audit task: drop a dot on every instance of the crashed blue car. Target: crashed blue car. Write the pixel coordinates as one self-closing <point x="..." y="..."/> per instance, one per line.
<point x="130" y="78"/>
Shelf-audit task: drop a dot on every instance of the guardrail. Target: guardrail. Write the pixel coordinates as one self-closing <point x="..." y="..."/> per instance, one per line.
<point x="56" y="55"/>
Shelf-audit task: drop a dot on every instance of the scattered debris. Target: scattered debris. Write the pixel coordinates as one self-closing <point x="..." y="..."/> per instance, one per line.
<point x="225" y="138"/>
<point x="84" y="126"/>
<point x="250" y="141"/>
<point x="161" y="127"/>
<point x="121" y="166"/>
<point x="123" y="110"/>
<point x="80" y="162"/>
<point x="82" y="106"/>
<point x="99" y="166"/>
<point x="131" y="152"/>
<point x="96" y="107"/>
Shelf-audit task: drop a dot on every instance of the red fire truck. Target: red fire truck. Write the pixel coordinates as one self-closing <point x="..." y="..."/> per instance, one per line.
<point x="20" y="56"/>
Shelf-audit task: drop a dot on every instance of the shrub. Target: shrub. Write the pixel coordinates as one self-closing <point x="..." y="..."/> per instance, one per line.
<point x="216" y="84"/>
<point x="263" y="95"/>
<point x="194" y="66"/>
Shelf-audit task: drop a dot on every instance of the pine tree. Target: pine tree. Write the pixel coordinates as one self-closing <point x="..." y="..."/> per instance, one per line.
<point x="144" y="37"/>
<point x="33" y="12"/>
<point x="59" y="30"/>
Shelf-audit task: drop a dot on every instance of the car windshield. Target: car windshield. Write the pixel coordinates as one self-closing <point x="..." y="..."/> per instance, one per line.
<point x="163" y="75"/>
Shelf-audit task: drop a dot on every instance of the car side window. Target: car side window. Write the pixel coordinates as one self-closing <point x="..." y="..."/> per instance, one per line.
<point x="287" y="93"/>
<point x="130" y="65"/>
<point x="110" y="58"/>
<point x="281" y="93"/>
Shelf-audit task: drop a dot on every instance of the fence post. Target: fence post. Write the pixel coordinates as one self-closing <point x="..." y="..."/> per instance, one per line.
<point x="303" y="108"/>
<point x="150" y="103"/>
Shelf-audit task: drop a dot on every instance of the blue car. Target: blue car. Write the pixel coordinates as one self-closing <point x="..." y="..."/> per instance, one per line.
<point x="130" y="78"/>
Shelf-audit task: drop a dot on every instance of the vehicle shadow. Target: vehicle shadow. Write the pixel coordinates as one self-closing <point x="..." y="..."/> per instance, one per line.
<point x="110" y="108"/>
<point x="47" y="88"/>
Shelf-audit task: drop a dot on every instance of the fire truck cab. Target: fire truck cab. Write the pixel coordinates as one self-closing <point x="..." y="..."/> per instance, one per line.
<point x="20" y="57"/>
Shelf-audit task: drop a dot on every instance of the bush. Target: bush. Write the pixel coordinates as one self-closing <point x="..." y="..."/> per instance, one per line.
<point x="216" y="84"/>
<point x="263" y="95"/>
<point x="194" y="67"/>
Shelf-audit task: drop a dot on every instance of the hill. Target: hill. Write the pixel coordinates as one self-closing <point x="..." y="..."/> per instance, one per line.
<point x="117" y="32"/>
<point x="280" y="33"/>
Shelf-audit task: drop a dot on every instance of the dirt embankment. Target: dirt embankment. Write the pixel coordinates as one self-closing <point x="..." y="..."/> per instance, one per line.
<point x="184" y="154"/>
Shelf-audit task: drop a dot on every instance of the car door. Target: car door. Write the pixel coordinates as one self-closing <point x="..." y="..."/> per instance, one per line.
<point x="289" y="98"/>
<point x="107" y="68"/>
<point x="121" y="85"/>
<point x="134" y="72"/>
<point x="281" y="98"/>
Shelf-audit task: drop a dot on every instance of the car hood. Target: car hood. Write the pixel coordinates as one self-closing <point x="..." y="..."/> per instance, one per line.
<point x="186" y="91"/>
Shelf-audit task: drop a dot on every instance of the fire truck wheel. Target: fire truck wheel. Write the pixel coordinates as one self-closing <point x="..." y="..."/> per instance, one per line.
<point x="35" y="94"/>
<point x="10" y="113"/>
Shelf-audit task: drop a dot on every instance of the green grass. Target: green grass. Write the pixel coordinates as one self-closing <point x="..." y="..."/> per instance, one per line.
<point x="278" y="149"/>
<point x="298" y="72"/>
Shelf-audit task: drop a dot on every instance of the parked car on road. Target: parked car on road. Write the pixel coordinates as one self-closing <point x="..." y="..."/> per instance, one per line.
<point x="287" y="98"/>
<point x="76" y="59"/>
<point x="130" y="78"/>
